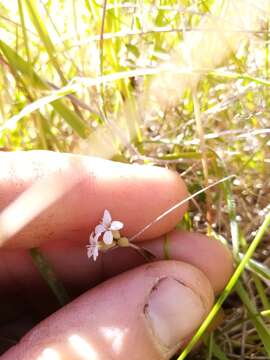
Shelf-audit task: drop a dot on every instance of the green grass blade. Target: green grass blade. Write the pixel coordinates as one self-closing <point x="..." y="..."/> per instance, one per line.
<point x="44" y="36"/>
<point x="71" y="118"/>
<point x="257" y="268"/>
<point x="265" y="313"/>
<point x="20" y="66"/>
<point x="219" y="354"/>
<point x="49" y="276"/>
<point x="228" y="289"/>
<point x="220" y="168"/>
<point x="244" y="76"/>
<point x="215" y="348"/>
<point x="261" y="291"/>
<point x="232" y="217"/>
<point x="25" y="37"/>
<point x="260" y="326"/>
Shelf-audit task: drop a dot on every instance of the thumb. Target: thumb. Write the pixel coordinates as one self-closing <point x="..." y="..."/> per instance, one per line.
<point x="146" y="313"/>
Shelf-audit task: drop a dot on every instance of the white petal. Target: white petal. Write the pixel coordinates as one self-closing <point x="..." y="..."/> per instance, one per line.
<point x="116" y="225"/>
<point x="92" y="250"/>
<point x="108" y="237"/>
<point x="99" y="229"/>
<point x="92" y="238"/>
<point x="107" y="219"/>
<point x="94" y="241"/>
<point x="89" y="251"/>
<point x="95" y="253"/>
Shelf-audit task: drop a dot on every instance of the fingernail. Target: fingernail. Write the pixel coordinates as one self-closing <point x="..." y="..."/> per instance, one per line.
<point x="173" y="312"/>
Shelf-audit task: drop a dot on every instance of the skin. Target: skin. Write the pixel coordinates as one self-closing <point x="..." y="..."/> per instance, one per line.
<point x="135" y="195"/>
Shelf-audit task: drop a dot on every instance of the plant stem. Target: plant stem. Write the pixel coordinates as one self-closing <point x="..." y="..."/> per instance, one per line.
<point x="228" y="288"/>
<point x="48" y="274"/>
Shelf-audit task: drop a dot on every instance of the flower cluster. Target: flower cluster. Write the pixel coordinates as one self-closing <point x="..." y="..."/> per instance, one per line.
<point x="105" y="235"/>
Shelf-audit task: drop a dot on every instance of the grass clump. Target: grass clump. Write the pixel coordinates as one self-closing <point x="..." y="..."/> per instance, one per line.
<point x="183" y="84"/>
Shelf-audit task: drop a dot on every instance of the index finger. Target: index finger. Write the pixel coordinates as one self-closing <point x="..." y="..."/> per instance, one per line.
<point x="134" y="194"/>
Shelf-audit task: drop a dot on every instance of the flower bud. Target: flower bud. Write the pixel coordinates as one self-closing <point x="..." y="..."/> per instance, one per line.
<point x="105" y="247"/>
<point x="116" y="234"/>
<point x="123" y="242"/>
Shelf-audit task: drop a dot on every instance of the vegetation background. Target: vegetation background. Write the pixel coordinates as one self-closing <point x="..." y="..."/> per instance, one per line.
<point x="183" y="84"/>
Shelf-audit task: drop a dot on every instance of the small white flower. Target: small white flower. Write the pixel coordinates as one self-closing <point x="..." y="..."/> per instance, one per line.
<point x="92" y="248"/>
<point x="106" y="227"/>
<point x="110" y="231"/>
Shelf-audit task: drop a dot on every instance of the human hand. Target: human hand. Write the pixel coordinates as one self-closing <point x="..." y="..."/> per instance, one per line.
<point x="147" y="312"/>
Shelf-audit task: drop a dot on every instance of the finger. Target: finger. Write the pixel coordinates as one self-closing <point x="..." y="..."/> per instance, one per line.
<point x="207" y="254"/>
<point x="134" y="194"/>
<point x="69" y="260"/>
<point x="146" y="313"/>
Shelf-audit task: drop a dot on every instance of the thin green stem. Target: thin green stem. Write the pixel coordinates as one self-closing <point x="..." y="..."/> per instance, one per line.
<point x="48" y="274"/>
<point x="228" y="289"/>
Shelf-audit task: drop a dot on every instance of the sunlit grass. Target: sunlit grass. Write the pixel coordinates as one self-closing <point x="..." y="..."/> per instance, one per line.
<point x="183" y="84"/>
